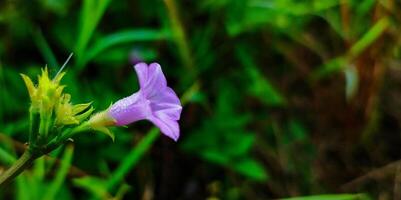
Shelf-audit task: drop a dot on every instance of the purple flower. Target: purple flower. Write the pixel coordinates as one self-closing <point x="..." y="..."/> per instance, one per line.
<point x="154" y="101"/>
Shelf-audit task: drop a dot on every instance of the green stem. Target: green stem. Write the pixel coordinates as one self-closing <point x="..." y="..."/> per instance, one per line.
<point x="45" y="122"/>
<point x="17" y="168"/>
<point x="34" y="120"/>
<point x="81" y="128"/>
<point x="180" y="37"/>
<point x="56" y="142"/>
<point x="31" y="131"/>
<point x="132" y="158"/>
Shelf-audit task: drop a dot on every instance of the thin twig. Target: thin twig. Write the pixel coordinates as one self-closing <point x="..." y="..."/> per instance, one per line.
<point x="397" y="183"/>
<point x="376" y="174"/>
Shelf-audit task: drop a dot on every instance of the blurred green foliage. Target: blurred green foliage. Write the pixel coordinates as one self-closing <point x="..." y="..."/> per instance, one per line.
<point x="277" y="94"/>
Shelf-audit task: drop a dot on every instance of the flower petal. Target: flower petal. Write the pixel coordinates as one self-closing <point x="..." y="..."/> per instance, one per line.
<point x="129" y="109"/>
<point x="166" y="103"/>
<point x="166" y="96"/>
<point x="142" y="72"/>
<point x="172" y="113"/>
<point x="167" y="126"/>
<point x="156" y="78"/>
<point x="151" y="79"/>
<point x="157" y="102"/>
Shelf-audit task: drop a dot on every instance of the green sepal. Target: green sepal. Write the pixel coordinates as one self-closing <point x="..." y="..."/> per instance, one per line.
<point x="106" y="131"/>
<point x="76" y="109"/>
<point x="84" y="115"/>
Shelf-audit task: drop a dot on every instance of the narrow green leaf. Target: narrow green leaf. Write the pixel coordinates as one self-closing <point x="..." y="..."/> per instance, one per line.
<point x="45" y="49"/>
<point x="6" y="157"/>
<point x="251" y="168"/>
<point x="133" y="157"/>
<point x="122" y="37"/>
<point x="24" y="192"/>
<point x="259" y="86"/>
<point x="122" y="191"/>
<point x="339" y="63"/>
<point x="332" y="197"/>
<point x="332" y="66"/>
<point x="96" y="186"/>
<point x="105" y="131"/>
<point x="85" y="114"/>
<point x="369" y="37"/>
<point x="298" y="132"/>
<point x="91" y="13"/>
<point x="39" y="168"/>
<point x="61" y="174"/>
<point x="215" y="156"/>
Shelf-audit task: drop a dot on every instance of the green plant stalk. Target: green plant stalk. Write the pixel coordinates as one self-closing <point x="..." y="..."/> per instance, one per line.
<point x="45" y="122"/>
<point x="6" y="157"/>
<point x="44" y="48"/>
<point x="58" y="141"/>
<point x="81" y="128"/>
<point x="18" y="167"/>
<point x="2" y="93"/>
<point x="92" y="12"/>
<point x="39" y="168"/>
<point x="121" y="37"/>
<point x="133" y="157"/>
<point x="33" y="123"/>
<point x="32" y="153"/>
<point x="180" y="36"/>
<point x="371" y="36"/>
<point x="62" y="172"/>
<point x="24" y="162"/>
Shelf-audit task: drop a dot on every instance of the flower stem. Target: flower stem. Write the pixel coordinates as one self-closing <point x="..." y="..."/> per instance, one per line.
<point x="34" y="120"/>
<point x="58" y="141"/>
<point x="18" y="167"/>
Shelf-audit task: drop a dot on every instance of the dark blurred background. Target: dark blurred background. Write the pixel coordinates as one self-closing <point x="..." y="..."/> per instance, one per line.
<point x="283" y="98"/>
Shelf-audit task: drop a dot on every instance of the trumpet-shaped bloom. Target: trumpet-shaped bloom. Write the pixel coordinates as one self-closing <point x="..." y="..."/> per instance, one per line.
<point x="154" y="101"/>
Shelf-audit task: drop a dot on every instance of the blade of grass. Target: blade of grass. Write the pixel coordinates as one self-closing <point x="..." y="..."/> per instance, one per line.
<point x="62" y="172"/>
<point x="180" y="37"/>
<point x="369" y="37"/>
<point x="95" y="186"/>
<point x="24" y="192"/>
<point x="91" y="13"/>
<point x="2" y="94"/>
<point x="331" y="66"/>
<point x="260" y="87"/>
<point x="332" y="197"/>
<point x="39" y="169"/>
<point x="122" y="37"/>
<point x="133" y="157"/>
<point x="122" y="191"/>
<point x="54" y="154"/>
<point x="339" y="63"/>
<point x="6" y="157"/>
<point x="45" y="49"/>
